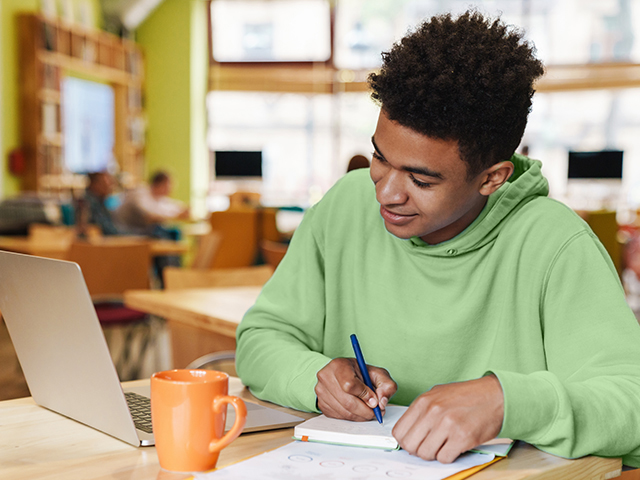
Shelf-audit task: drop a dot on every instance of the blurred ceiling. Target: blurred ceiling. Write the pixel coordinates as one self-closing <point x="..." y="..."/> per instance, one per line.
<point x="128" y="13"/>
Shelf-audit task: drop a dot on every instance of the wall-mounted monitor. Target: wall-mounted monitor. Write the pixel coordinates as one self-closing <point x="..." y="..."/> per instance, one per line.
<point x="237" y="164"/>
<point x="89" y="122"/>
<point x="604" y="164"/>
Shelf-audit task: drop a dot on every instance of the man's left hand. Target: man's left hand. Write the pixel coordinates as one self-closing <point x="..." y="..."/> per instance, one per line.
<point x="451" y="419"/>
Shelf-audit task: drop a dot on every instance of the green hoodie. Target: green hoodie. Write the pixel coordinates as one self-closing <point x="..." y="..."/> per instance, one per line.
<point x="526" y="292"/>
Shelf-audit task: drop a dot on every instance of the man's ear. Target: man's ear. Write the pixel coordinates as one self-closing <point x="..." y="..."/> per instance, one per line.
<point x="495" y="176"/>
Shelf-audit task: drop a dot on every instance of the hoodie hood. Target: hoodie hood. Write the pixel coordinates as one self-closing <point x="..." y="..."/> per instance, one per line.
<point x="526" y="183"/>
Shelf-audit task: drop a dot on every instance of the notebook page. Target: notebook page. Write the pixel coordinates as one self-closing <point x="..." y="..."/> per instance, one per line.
<point x="371" y="433"/>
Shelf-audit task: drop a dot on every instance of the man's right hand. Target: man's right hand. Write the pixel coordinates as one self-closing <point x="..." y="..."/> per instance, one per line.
<point x="342" y="393"/>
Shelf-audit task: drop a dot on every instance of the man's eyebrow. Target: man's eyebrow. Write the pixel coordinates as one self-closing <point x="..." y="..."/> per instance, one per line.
<point x="417" y="170"/>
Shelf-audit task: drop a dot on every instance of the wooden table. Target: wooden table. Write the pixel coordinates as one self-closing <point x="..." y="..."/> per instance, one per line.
<point x="59" y="248"/>
<point x="36" y="443"/>
<point x="201" y="321"/>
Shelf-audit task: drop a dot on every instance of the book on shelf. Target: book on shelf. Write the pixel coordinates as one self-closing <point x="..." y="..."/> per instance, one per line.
<point x="372" y="434"/>
<point x="134" y="98"/>
<point x="49" y="119"/>
<point x="51" y="77"/>
<point x="49" y="37"/>
<point x="133" y="62"/>
<point x="136" y="131"/>
<point x="88" y="51"/>
<point x="51" y="160"/>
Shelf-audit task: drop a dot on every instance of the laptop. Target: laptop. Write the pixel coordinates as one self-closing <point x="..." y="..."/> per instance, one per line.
<point x="65" y="359"/>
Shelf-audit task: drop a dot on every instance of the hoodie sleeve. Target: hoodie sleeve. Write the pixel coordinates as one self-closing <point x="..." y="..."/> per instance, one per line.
<point x="280" y="337"/>
<point x="588" y="399"/>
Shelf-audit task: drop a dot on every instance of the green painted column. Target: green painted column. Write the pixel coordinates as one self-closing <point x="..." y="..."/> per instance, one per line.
<point x="174" y="41"/>
<point x="9" y="116"/>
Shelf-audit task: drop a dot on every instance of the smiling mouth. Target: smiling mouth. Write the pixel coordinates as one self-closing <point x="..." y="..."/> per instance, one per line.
<point x="395" y="218"/>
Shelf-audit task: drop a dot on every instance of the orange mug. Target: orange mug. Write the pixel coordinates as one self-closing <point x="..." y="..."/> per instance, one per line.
<point x="188" y="413"/>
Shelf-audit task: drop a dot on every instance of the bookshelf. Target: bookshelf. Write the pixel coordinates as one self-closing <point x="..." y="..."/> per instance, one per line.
<point x="50" y="49"/>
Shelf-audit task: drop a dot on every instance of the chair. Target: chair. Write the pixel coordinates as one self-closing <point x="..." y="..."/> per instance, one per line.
<point x="179" y="278"/>
<point x="195" y="340"/>
<point x="605" y="226"/>
<point x="239" y="242"/>
<point x="109" y="270"/>
<point x="224" y="361"/>
<point x="268" y="225"/>
<point x="208" y="246"/>
<point x="273" y="252"/>
<point x="243" y="199"/>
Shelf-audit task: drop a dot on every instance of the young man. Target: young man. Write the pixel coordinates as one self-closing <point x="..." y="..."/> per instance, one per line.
<point x="493" y="310"/>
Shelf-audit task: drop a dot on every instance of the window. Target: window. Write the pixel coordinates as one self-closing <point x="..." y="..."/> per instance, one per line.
<point x="308" y="121"/>
<point x="273" y="31"/>
<point x="586" y="121"/>
<point x="564" y="32"/>
<point x="306" y="140"/>
<point x="88" y="116"/>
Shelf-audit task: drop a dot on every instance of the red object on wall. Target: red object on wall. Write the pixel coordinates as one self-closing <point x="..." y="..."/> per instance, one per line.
<point x="16" y="161"/>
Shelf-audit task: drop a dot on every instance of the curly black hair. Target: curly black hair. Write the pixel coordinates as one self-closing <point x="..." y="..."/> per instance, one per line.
<point x="466" y="79"/>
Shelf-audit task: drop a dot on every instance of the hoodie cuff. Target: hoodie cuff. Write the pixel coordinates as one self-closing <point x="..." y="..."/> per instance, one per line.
<point x="302" y="386"/>
<point x="530" y="405"/>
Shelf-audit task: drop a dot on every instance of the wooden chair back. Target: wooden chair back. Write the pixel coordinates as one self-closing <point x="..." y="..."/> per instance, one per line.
<point x="243" y="199"/>
<point x="605" y="226"/>
<point x="110" y="269"/>
<point x="179" y="278"/>
<point x="273" y="252"/>
<point x="268" y="225"/>
<point x="239" y="242"/>
<point x="208" y="246"/>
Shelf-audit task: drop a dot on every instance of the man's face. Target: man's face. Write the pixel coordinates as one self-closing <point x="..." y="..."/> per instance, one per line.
<point x="161" y="189"/>
<point x="421" y="184"/>
<point x="103" y="185"/>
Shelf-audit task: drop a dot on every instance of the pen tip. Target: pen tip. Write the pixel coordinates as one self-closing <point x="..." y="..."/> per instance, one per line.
<point x="378" y="416"/>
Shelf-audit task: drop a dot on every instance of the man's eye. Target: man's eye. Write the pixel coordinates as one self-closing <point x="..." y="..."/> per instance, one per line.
<point x="419" y="183"/>
<point x="378" y="157"/>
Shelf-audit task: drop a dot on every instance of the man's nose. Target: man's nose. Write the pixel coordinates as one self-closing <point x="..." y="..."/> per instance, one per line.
<point x="390" y="189"/>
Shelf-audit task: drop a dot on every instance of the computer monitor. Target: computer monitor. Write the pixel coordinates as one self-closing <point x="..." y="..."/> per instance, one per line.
<point x="238" y="164"/>
<point x="604" y="164"/>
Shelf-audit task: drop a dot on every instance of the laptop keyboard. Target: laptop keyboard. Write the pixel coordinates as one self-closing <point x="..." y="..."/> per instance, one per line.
<point x="140" y="407"/>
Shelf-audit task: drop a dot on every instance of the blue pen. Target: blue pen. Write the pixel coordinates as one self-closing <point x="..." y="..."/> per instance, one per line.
<point x="365" y="373"/>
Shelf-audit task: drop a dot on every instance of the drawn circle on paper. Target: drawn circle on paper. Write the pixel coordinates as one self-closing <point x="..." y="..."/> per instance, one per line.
<point x="398" y="473"/>
<point x="300" y="458"/>
<point x="365" y="468"/>
<point x="332" y="464"/>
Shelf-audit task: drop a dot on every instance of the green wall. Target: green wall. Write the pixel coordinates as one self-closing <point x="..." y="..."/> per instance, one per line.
<point x="174" y="41"/>
<point x="9" y="119"/>
<point x="9" y="55"/>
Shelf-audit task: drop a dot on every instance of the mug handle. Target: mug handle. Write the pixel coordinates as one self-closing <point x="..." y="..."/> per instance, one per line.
<point x="238" y="425"/>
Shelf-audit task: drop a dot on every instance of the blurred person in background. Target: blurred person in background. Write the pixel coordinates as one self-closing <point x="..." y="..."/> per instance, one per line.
<point x="146" y="208"/>
<point x="92" y="208"/>
<point x="358" y="161"/>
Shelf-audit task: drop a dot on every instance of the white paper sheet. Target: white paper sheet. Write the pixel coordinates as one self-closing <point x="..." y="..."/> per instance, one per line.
<point x="316" y="461"/>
